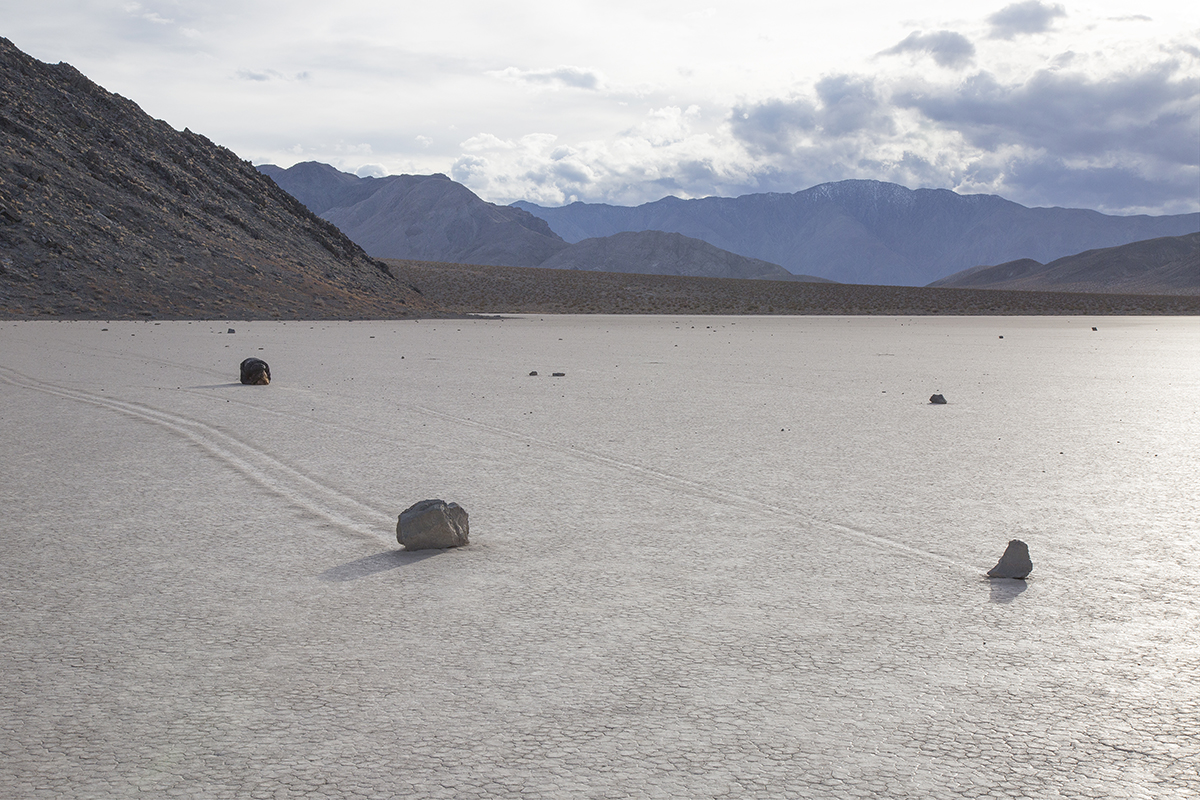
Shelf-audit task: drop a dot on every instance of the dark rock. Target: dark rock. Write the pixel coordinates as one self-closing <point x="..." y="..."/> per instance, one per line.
<point x="255" y="372"/>
<point x="1014" y="563"/>
<point x="231" y="330"/>
<point x="938" y="400"/>
<point x="557" y="374"/>
<point x="432" y="524"/>
<point x="533" y="374"/>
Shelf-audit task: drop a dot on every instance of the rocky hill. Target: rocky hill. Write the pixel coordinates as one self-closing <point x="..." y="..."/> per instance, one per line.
<point x="658" y="253"/>
<point x="1167" y="265"/>
<point x="419" y="217"/>
<point x="106" y="212"/>
<point x="868" y="231"/>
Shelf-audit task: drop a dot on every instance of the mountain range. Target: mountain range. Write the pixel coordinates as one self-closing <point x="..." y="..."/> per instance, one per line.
<point x="862" y="231"/>
<point x="432" y="218"/>
<point x="1169" y="265"/>
<point x="105" y="211"/>
<point x="108" y="213"/>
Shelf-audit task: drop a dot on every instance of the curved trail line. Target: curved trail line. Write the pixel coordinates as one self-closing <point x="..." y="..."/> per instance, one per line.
<point x="703" y="490"/>
<point x="304" y="491"/>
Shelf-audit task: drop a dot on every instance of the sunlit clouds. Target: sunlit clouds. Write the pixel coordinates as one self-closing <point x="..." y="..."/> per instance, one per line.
<point x="1093" y="105"/>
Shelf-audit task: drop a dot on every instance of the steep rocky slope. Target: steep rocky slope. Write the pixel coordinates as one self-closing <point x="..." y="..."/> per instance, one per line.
<point x="1167" y="265"/>
<point x="106" y="212"/>
<point x="870" y="231"/>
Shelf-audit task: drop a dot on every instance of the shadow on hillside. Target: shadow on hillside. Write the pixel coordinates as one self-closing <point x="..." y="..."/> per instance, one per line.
<point x="216" y="385"/>
<point x="370" y="565"/>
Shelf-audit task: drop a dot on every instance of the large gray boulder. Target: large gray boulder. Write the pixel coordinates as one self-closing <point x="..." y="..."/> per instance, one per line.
<point x="432" y="524"/>
<point x="1014" y="563"/>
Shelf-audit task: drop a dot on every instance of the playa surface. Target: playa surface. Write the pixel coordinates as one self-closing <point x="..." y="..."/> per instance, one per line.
<point x="720" y="557"/>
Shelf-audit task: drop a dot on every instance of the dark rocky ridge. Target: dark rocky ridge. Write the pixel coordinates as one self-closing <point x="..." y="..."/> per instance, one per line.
<point x="1168" y="265"/>
<point x="870" y="232"/>
<point x="658" y="253"/>
<point x="468" y="289"/>
<point x="106" y="212"/>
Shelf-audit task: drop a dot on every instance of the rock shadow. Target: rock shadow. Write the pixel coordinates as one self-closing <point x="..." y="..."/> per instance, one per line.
<point x="1005" y="590"/>
<point x="371" y="565"/>
<point x="217" y="386"/>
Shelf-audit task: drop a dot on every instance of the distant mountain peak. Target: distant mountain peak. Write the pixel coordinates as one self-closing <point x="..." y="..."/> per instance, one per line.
<point x="870" y="231"/>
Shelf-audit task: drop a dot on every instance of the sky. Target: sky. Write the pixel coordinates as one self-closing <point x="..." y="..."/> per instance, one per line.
<point x="1088" y="105"/>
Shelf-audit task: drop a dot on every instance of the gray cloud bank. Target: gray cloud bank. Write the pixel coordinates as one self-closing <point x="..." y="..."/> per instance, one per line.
<point x="1129" y="140"/>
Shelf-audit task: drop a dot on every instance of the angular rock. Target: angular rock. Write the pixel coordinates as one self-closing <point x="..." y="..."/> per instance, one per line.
<point x="255" y="372"/>
<point x="938" y="400"/>
<point x="1014" y="563"/>
<point x="432" y="524"/>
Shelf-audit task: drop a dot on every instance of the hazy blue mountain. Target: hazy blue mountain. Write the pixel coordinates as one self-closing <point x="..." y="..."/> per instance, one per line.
<point x="432" y="218"/>
<point x="1167" y="265"/>
<point x="870" y="231"/>
<point x="658" y="253"/>
<point x="422" y="217"/>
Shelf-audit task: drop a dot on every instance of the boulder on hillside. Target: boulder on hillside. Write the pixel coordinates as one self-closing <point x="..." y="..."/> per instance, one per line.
<point x="255" y="372"/>
<point x="432" y="524"/>
<point x="1015" y="562"/>
<point x="937" y="400"/>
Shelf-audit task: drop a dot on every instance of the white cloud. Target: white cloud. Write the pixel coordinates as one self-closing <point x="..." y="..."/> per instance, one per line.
<point x="948" y="48"/>
<point x="563" y="77"/>
<point x="1019" y="19"/>
<point x="626" y="102"/>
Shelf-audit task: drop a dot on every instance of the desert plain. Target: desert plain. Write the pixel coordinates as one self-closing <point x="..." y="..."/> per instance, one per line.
<point x="721" y="556"/>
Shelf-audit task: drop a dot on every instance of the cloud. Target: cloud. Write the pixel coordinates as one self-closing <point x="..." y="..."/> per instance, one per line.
<point x="1125" y="142"/>
<point x="1030" y="16"/>
<point x="251" y="75"/>
<point x="662" y="155"/>
<point x="264" y="75"/>
<point x="948" y="49"/>
<point x="1152" y="113"/>
<point x="773" y="126"/>
<point x="137" y="10"/>
<point x="567" y="77"/>
<point x="848" y="105"/>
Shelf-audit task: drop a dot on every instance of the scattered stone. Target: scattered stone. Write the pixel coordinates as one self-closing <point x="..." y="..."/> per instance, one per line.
<point x="1014" y="563"/>
<point x="557" y="374"/>
<point x="1093" y="329"/>
<point x="255" y="372"/>
<point x="533" y="374"/>
<point x="938" y="400"/>
<point x="1001" y="337"/>
<point x="231" y="330"/>
<point x="432" y="524"/>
